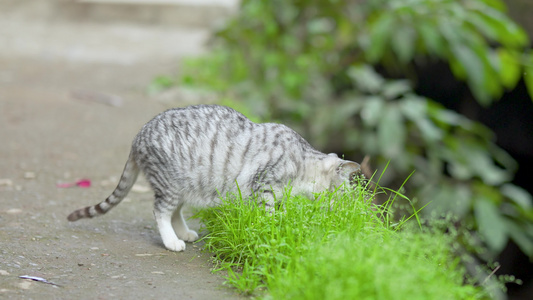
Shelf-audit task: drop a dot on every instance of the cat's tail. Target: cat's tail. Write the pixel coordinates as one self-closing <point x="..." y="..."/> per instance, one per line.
<point x="128" y="178"/>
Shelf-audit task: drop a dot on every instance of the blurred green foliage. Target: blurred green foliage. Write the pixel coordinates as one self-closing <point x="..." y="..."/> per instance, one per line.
<point x="311" y="65"/>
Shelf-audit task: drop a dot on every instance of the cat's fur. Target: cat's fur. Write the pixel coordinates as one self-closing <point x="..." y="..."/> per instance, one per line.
<point x="194" y="155"/>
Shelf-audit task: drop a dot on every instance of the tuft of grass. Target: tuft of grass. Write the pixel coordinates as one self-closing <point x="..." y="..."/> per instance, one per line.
<point x="378" y="265"/>
<point x="339" y="246"/>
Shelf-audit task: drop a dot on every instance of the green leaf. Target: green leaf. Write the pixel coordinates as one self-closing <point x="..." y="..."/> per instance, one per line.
<point x="320" y="26"/>
<point x="366" y="78"/>
<point x="431" y="38"/>
<point x="391" y="132"/>
<point x="345" y="111"/>
<point x="528" y="74"/>
<point x="492" y="81"/>
<point x="474" y="68"/>
<point x="403" y="43"/>
<point x="372" y="110"/>
<point x="416" y="110"/>
<point x="396" y="88"/>
<point x="490" y="223"/>
<point x="480" y="162"/>
<point x="495" y="4"/>
<point x="521" y="236"/>
<point x="448" y="117"/>
<point x="380" y="34"/>
<point x="509" y="68"/>
<point x="505" y="30"/>
<point x="518" y="195"/>
<point x="450" y="31"/>
<point x="429" y="130"/>
<point x="503" y="158"/>
<point x="458" y="166"/>
<point x="497" y="27"/>
<point x="486" y="26"/>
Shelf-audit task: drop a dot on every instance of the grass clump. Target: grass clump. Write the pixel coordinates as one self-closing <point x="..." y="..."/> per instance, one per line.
<point x="340" y="246"/>
<point x="401" y="265"/>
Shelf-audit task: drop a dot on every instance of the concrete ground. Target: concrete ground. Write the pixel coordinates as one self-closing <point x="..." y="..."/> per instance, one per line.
<point x="72" y="97"/>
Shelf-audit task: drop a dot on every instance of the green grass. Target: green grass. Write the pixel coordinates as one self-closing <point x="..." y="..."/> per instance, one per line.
<point x="340" y="246"/>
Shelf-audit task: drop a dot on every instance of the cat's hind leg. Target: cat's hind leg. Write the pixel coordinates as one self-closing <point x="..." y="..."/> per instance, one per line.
<point x="182" y="229"/>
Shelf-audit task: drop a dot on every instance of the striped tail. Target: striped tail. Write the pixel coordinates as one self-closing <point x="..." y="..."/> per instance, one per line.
<point x="128" y="178"/>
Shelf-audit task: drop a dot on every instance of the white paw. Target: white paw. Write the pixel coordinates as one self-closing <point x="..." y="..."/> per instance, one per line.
<point x="189" y="236"/>
<point x="175" y="245"/>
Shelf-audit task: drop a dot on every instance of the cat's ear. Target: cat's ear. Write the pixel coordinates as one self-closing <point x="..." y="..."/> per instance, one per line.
<point x="348" y="169"/>
<point x="331" y="162"/>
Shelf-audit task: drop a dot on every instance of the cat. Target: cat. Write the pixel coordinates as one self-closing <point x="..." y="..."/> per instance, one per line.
<point x="193" y="155"/>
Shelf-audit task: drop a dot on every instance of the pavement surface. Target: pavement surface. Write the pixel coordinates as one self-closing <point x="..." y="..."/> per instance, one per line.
<point x="72" y="97"/>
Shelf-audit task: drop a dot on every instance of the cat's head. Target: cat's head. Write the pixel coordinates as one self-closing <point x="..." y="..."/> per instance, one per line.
<point x="342" y="171"/>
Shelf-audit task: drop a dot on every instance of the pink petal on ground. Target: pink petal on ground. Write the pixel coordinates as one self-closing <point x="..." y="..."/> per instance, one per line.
<point x="84" y="183"/>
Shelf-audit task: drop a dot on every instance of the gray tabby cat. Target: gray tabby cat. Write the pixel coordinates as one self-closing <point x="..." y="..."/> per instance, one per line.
<point x="195" y="154"/>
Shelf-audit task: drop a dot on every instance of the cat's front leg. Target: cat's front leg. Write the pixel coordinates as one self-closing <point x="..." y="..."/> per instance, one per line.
<point x="163" y="219"/>
<point x="271" y="199"/>
<point x="163" y="213"/>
